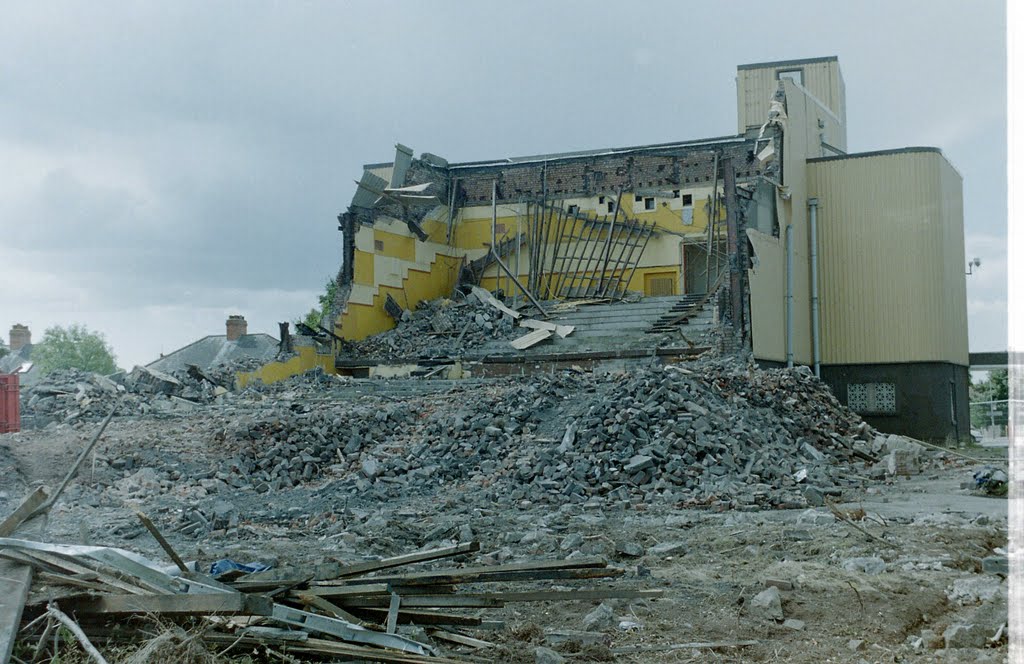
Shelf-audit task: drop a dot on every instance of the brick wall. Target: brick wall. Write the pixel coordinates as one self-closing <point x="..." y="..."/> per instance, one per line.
<point x="673" y="168"/>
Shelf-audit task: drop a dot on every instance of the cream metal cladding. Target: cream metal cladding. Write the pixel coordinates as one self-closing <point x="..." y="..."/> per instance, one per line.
<point x="768" y="275"/>
<point x="756" y="85"/>
<point x="891" y="257"/>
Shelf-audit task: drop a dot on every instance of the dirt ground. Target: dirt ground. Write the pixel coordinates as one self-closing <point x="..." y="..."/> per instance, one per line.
<point x="882" y="587"/>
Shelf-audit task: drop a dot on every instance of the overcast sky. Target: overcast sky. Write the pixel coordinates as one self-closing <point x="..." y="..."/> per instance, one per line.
<point x="165" y="164"/>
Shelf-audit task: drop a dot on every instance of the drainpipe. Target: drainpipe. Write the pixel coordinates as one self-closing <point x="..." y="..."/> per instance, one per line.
<point x="789" y="295"/>
<point x="815" y="334"/>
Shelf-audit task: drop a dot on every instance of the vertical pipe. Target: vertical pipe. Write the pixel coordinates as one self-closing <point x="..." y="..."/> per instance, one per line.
<point x="789" y="295"/>
<point x="815" y="334"/>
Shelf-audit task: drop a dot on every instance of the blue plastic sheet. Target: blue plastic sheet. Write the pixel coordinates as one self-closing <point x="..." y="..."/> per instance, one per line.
<point x="226" y="565"/>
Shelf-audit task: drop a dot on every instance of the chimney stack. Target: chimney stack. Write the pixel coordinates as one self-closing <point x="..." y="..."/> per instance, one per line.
<point x="20" y="337"/>
<point x="236" y="327"/>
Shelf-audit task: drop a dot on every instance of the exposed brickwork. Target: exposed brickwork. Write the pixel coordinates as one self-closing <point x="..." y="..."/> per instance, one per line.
<point x="20" y="337"/>
<point x="673" y="168"/>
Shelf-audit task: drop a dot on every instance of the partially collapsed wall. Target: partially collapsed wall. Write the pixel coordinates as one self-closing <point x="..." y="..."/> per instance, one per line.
<point x="648" y="220"/>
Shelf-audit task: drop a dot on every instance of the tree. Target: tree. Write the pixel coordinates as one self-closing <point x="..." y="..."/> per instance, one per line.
<point x="316" y="316"/>
<point x="73" y="347"/>
<point x="994" y="388"/>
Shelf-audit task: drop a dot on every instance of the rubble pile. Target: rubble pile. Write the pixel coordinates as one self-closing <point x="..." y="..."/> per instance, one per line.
<point x="439" y="328"/>
<point x="69" y="395"/>
<point x="718" y="433"/>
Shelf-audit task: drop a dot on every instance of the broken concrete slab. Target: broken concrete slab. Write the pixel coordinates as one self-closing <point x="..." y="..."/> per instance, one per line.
<point x="960" y="635"/>
<point x="531" y="339"/>
<point x="767" y="604"/>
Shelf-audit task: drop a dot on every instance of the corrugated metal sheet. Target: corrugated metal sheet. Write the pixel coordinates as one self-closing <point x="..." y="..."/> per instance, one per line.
<point x="891" y="258"/>
<point x="756" y="86"/>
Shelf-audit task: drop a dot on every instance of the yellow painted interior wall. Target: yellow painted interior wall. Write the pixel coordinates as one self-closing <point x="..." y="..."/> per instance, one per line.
<point x="388" y="253"/>
<point x="362" y="320"/>
<point x="307" y="359"/>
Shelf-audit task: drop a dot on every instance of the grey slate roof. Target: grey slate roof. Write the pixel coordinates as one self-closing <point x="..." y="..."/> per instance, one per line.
<point x="215" y="349"/>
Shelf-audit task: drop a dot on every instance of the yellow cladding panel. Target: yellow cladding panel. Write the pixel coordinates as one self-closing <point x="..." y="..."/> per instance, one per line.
<point x="362" y="320"/>
<point x="394" y="246"/>
<point x="363" y="268"/>
<point x="891" y="258"/>
<point x="307" y="359"/>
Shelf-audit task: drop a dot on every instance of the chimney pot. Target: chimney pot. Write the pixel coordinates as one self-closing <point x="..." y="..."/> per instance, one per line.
<point x="236" y="327"/>
<point x="20" y="337"/>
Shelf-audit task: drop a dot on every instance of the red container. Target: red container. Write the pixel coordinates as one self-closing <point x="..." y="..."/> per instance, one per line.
<point x="10" y="412"/>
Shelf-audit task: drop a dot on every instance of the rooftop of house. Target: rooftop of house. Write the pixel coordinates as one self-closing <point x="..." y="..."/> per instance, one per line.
<point x="215" y="349"/>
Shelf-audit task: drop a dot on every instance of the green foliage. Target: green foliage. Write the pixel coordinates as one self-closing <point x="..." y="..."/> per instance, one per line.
<point x="995" y="388"/>
<point x="73" y="347"/>
<point x="316" y="316"/>
<point x="4" y="351"/>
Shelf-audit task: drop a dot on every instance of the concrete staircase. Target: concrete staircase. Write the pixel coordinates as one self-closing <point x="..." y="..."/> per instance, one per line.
<point x="619" y="325"/>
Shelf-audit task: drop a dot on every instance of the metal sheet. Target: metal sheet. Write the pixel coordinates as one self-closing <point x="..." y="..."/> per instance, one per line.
<point x="891" y="258"/>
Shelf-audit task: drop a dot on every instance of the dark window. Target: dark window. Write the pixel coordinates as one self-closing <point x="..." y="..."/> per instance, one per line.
<point x="675" y="193"/>
<point x="378" y="245"/>
<point x="611" y="206"/>
<point x="573" y="209"/>
<point x="649" y="203"/>
<point x="600" y="199"/>
<point x="687" y="199"/>
<point x="638" y="198"/>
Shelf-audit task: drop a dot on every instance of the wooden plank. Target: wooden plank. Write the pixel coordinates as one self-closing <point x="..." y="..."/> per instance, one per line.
<point x="562" y="595"/>
<point x="111" y="578"/>
<point x="164" y="544"/>
<point x="696" y="645"/>
<point x="330" y="609"/>
<point x="15" y="581"/>
<point x="481" y="601"/>
<point x="76" y="581"/>
<point x="408" y="559"/>
<point x="460" y="639"/>
<point x="420" y="617"/>
<point x="18" y="516"/>
<point x="324" y="647"/>
<point x="228" y="604"/>
<point x="525" y="575"/>
<point x="392" y="620"/>
<point x="576" y="563"/>
<point x="341" y="591"/>
<point x="530" y="339"/>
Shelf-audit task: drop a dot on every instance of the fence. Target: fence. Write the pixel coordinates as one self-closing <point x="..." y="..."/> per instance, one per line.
<point x="990" y="418"/>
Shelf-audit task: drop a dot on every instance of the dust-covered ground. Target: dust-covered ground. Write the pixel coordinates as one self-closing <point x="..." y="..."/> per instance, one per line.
<point x="913" y="567"/>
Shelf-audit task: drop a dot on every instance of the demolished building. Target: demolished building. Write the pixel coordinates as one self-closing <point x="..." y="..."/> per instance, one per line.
<point x="776" y="237"/>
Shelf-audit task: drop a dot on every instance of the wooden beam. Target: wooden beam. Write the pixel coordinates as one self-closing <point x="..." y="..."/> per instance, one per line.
<point x="420" y="617"/>
<point x="227" y="604"/>
<point x="460" y="639"/>
<point x="408" y="559"/>
<point x="330" y="609"/>
<point x="15" y="580"/>
<point x="576" y="563"/>
<point x="424" y="601"/>
<point x="324" y="647"/>
<point x="562" y="595"/>
<point x="28" y="505"/>
<point x="164" y="544"/>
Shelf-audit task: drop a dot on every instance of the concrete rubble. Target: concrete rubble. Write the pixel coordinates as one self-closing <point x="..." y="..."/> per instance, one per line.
<point x="439" y="328"/>
<point x="700" y="484"/>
